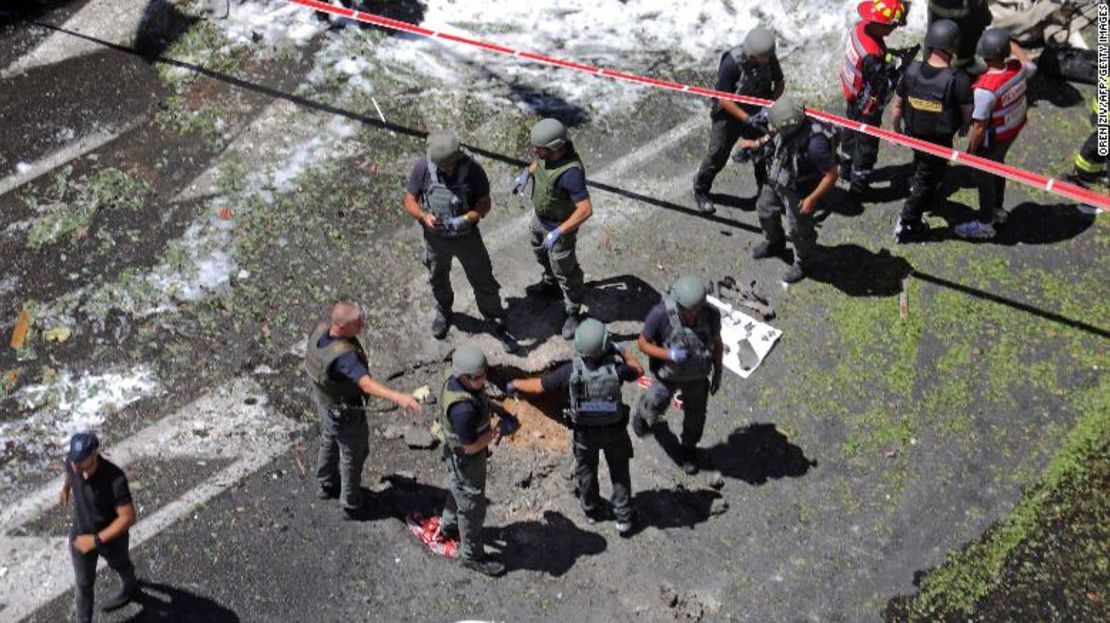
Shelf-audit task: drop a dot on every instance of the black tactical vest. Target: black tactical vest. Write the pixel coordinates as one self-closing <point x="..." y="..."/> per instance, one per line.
<point x="927" y="109"/>
<point x="332" y="392"/>
<point x="595" y="395"/>
<point x="446" y="201"/>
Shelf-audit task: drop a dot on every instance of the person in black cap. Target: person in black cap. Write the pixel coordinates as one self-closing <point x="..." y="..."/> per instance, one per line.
<point x="102" y="515"/>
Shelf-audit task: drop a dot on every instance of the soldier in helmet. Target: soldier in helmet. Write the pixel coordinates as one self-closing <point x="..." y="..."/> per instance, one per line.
<point x="682" y="339"/>
<point x="803" y="169"/>
<point x="996" y="120"/>
<point x="465" y="418"/>
<point x="448" y="193"/>
<point x="597" y="415"/>
<point x="337" y="366"/>
<point x="562" y="204"/>
<point x="748" y="69"/>
<point x="934" y="102"/>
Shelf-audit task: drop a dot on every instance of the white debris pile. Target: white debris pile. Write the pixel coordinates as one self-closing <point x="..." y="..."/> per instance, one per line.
<point x="275" y="21"/>
<point x="60" y="406"/>
<point x="630" y="35"/>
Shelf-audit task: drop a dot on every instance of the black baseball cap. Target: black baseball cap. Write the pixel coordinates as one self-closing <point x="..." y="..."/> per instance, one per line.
<point x="81" y="446"/>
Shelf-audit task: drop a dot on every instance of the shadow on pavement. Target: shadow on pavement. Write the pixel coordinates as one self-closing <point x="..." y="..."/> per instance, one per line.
<point x="552" y="545"/>
<point x="758" y="453"/>
<point x="162" y="602"/>
<point x="404" y="495"/>
<point x="857" y="271"/>
<point x="673" y="508"/>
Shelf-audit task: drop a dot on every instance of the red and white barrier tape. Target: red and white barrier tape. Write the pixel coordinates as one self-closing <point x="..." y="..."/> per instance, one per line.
<point x="1054" y="186"/>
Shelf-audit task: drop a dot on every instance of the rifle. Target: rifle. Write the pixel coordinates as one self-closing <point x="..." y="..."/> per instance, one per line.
<point x="877" y="91"/>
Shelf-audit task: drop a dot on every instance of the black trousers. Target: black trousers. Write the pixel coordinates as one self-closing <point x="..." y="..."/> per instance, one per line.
<point x="118" y="558"/>
<point x="723" y="134"/>
<point x="858" y="151"/>
<point x="928" y="173"/>
<point x="589" y="443"/>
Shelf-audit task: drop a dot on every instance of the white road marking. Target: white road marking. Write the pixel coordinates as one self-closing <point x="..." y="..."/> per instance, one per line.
<point x="62" y="156"/>
<point x="114" y="21"/>
<point x="233" y="422"/>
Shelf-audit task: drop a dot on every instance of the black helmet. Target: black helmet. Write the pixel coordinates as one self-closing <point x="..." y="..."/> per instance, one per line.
<point x="994" y="45"/>
<point x="943" y="34"/>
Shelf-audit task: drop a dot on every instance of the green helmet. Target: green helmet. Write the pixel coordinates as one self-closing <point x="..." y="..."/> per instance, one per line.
<point x="443" y="148"/>
<point x="787" y="113"/>
<point x="468" y="359"/>
<point x="689" y="292"/>
<point x="994" y="45"/>
<point x="549" y="133"/>
<point x="759" y="42"/>
<point x="943" y="34"/>
<point x="591" y="339"/>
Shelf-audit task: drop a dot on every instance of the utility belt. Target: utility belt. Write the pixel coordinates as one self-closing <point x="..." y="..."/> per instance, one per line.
<point x="596" y="415"/>
<point x="346" y="413"/>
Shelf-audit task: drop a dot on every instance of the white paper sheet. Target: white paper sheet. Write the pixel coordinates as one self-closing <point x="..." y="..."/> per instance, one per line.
<point x="737" y="326"/>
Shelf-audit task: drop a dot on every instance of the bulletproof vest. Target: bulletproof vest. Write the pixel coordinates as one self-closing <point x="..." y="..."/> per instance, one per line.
<point x="695" y="340"/>
<point x="951" y="9"/>
<point x="446" y="201"/>
<point x="927" y="109"/>
<point x="332" y="392"/>
<point x="789" y="152"/>
<point x="448" y="398"/>
<point x="552" y="203"/>
<point x="595" y="395"/>
<point x="755" y="80"/>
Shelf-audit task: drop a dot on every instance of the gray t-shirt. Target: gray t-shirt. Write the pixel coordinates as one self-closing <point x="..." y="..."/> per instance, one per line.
<point x="984" y="99"/>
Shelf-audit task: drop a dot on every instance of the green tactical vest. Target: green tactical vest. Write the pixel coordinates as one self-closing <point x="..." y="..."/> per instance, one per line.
<point x="550" y="202"/>
<point x="449" y="398"/>
<point x="595" y="395"/>
<point x="695" y="340"/>
<point x="329" y="391"/>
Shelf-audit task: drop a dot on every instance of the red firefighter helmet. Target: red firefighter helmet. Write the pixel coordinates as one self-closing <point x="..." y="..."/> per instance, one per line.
<point x="883" y="11"/>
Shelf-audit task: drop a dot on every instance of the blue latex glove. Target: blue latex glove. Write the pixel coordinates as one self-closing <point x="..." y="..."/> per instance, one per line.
<point x="551" y="238"/>
<point x="715" y="382"/>
<point x="520" y="181"/>
<point x="510" y="388"/>
<point x="678" y="354"/>
<point x="455" y="223"/>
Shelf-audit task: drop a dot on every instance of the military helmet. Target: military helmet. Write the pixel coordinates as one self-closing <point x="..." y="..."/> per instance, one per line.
<point x="787" y="113"/>
<point x="994" y="45"/>
<point x="759" y="42"/>
<point x="943" y="34"/>
<point x="469" y="360"/>
<point x="549" y="133"/>
<point x="689" y="292"/>
<point x="591" y="339"/>
<point x="443" y="148"/>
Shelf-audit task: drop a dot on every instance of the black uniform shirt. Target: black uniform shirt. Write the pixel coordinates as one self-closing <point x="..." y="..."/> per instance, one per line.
<point x="474" y="177"/>
<point x="95" y="500"/>
<point x="558" y="380"/>
<point x="960" y="96"/>
<point x="657" y="327"/>
<point x="464" y="416"/>
<point x="728" y="80"/>
<point x="346" y="367"/>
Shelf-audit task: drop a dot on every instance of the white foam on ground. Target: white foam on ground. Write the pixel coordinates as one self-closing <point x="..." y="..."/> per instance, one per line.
<point x="69" y="403"/>
<point x="627" y="35"/>
<point x="276" y="21"/>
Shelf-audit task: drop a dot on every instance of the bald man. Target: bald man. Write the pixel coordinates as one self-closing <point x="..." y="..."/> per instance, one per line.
<point x="336" y="363"/>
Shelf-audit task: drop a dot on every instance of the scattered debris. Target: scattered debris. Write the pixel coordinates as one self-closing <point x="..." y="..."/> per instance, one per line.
<point x="716" y="481"/>
<point x="58" y="334"/>
<point x="424" y="395"/>
<point x="525" y="481"/>
<point x="419" y="438"/>
<point x="22" y="325"/>
<point x="746" y="296"/>
<point x="393" y="431"/>
<point x="904" y="299"/>
<point x="718" y="507"/>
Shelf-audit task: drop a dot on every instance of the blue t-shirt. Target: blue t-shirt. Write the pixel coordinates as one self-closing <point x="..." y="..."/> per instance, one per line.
<point x="464" y="416"/>
<point x="573" y="183"/>
<point x="657" y="327"/>
<point x="347" y="367"/>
